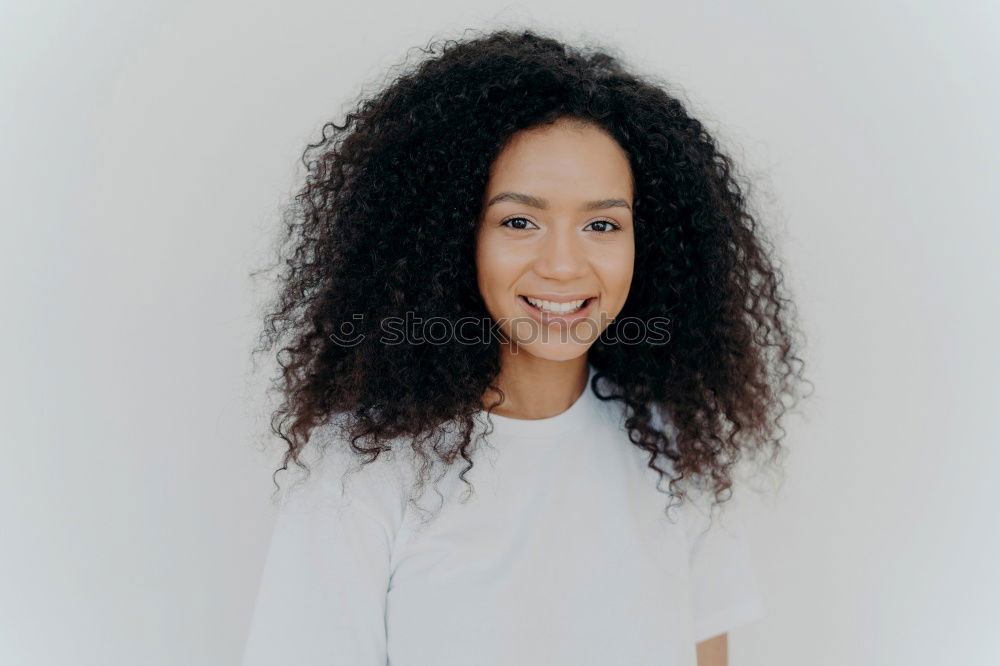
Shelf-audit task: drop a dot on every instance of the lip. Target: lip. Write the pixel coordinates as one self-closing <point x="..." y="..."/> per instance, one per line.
<point x="557" y="297"/>
<point x="546" y="318"/>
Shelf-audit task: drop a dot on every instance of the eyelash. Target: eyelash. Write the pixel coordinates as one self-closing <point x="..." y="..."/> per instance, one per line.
<point x="614" y="225"/>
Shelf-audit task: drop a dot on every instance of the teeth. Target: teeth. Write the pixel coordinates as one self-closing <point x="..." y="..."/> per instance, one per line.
<point x="557" y="308"/>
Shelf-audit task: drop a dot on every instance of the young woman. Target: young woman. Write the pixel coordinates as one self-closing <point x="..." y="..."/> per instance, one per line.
<point x="528" y="279"/>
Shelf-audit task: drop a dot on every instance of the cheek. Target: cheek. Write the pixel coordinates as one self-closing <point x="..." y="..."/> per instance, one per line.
<point x="491" y="275"/>
<point x="484" y="257"/>
<point x="498" y="265"/>
<point x="616" y="272"/>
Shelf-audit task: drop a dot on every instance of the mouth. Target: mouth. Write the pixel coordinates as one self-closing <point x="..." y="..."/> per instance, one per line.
<point x="550" y="311"/>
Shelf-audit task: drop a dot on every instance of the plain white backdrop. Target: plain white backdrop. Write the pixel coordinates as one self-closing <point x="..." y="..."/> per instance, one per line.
<point x="148" y="146"/>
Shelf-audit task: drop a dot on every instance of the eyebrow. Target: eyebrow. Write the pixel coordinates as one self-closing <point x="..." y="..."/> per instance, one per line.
<point x="538" y="202"/>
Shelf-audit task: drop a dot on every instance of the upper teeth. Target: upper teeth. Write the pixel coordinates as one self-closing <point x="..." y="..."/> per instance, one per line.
<point x="556" y="308"/>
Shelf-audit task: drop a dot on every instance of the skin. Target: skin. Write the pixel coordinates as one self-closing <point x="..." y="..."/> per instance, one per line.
<point x="564" y="247"/>
<point x="714" y="651"/>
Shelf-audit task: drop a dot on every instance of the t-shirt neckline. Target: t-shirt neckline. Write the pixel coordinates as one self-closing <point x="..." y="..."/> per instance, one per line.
<point x="569" y="419"/>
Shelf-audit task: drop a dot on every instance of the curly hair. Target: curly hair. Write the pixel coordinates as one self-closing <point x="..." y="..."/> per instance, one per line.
<point x="386" y="223"/>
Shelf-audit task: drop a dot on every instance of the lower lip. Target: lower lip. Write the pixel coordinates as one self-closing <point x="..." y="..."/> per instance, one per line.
<point x="547" y="318"/>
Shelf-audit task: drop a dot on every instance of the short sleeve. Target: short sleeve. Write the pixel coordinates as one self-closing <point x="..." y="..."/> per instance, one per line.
<point x="725" y="589"/>
<point x="322" y="594"/>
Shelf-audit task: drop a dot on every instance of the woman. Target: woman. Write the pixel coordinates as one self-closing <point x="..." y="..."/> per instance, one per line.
<point x="526" y="278"/>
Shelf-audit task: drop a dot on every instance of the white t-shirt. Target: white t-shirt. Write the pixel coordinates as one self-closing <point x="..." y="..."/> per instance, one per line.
<point x="562" y="555"/>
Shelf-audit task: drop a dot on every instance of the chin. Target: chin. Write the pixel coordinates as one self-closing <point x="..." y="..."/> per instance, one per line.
<point x="559" y="351"/>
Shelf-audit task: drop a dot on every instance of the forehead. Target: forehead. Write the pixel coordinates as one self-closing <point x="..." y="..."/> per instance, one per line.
<point x="563" y="160"/>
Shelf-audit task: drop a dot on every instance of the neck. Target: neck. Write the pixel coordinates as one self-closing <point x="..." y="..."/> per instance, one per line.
<point x="537" y="388"/>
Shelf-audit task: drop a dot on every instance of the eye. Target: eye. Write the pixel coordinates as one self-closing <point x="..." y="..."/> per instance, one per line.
<point x="520" y="224"/>
<point x="611" y="226"/>
<point x="518" y="220"/>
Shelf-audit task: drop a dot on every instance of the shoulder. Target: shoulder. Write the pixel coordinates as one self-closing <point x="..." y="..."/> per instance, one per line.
<point x="334" y="477"/>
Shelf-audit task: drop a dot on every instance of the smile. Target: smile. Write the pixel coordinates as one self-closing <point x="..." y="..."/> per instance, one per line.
<point x="547" y="310"/>
<point x="555" y="307"/>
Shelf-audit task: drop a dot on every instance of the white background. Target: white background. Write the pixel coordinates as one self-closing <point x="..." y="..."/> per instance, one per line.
<point x="148" y="145"/>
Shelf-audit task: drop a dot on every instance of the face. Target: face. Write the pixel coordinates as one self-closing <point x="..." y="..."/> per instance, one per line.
<point x="555" y="248"/>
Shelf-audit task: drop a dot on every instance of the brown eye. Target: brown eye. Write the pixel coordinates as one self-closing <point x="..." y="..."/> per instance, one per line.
<point x="611" y="226"/>
<point x="516" y="221"/>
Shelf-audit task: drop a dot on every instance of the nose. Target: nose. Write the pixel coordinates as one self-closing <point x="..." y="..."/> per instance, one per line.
<point x="561" y="254"/>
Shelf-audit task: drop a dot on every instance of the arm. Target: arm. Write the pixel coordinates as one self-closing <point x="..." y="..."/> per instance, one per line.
<point x="725" y="590"/>
<point x="714" y="651"/>
<point x="322" y="594"/>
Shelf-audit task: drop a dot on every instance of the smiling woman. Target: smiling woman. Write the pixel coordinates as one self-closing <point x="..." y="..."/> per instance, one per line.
<point x="568" y="263"/>
<point x="578" y="209"/>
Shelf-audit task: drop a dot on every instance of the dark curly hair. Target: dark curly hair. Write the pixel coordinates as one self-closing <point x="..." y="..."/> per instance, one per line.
<point x="386" y="222"/>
